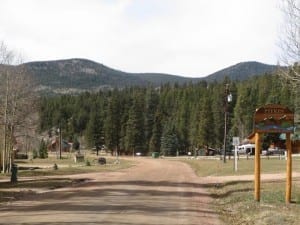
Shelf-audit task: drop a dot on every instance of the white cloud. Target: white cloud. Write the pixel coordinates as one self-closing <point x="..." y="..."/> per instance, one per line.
<point x="186" y="37"/>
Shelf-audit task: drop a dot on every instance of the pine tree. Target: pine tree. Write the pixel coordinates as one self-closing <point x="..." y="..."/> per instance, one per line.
<point x="94" y="130"/>
<point x="151" y="104"/>
<point x="155" y="140"/>
<point x="183" y="126"/>
<point x="112" y="125"/>
<point x="205" y="135"/>
<point x="135" y="136"/>
<point x="43" y="153"/>
<point x="169" y="140"/>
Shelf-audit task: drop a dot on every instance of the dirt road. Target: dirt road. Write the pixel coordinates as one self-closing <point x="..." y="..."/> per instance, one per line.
<point x="155" y="192"/>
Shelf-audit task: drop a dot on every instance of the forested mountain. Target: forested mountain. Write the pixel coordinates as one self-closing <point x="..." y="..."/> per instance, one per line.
<point x="242" y="71"/>
<point x="78" y="75"/>
<point x="168" y="119"/>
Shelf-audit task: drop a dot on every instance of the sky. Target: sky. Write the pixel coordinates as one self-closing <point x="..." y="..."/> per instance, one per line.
<point x="191" y="38"/>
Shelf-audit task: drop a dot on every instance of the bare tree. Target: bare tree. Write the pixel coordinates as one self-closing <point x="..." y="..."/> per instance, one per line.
<point x="17" y="101"/>
<point x="290" y="40"/>
<point x="290" y="47"/>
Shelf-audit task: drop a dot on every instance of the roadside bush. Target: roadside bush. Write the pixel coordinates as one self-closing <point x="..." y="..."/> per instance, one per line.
<point x="87" y="163"/>
<point x="43" y="153"/>
<point x="55" y="167"/>
<point x="34" y="153"/>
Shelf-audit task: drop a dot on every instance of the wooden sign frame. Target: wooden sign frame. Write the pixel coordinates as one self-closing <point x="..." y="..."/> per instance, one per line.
<point x="273" y="118"/>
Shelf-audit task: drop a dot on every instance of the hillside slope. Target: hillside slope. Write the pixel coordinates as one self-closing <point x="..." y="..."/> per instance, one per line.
<point x="85" y="75"/>
<point x="242" y="71"/>
<point x="78" y="75"/>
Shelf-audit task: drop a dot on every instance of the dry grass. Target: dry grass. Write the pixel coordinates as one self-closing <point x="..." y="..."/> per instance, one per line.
<point x="38" y="168"/>
<point x="234" y="200"/>
<point x="217" y="168"/>
<point x="235" y="204"/>
<point x="67" y="166"/>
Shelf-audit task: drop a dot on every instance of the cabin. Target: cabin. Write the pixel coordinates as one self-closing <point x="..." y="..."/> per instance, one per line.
<point x="53" y="146"/>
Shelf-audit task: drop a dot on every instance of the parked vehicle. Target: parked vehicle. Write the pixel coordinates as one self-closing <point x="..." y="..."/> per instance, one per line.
<point x="246" y="149"/>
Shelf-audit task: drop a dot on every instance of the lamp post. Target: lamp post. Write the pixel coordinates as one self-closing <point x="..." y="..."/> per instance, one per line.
<point x="227" y="99"/>
<point x="60" y="140"/>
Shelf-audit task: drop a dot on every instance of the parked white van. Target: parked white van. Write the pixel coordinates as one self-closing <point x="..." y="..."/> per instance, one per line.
<point x="246" y="149"/>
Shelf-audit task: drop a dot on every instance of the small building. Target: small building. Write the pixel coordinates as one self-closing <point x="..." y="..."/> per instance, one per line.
<point x="54" y="145"/>
<point x="295" y="143"/>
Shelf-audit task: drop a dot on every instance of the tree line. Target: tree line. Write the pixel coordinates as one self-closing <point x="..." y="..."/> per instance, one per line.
<point x="171" y="119"/>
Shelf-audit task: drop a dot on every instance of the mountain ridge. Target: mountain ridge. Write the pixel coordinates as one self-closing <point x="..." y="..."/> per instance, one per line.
<point x="242" y="70"/>
<point x="77" y="75"/>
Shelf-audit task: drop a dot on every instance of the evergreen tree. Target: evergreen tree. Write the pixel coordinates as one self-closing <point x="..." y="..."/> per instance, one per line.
<point x="155" y="140"/>
<point x="43" y="153"/>
<point x="205" y="137"/>
<point x="243" y="119"/>
<point x="169" y="141"/>
<point x="94" y="131"/>
<point x="113" y="122"/>
<point x="135" y="136"/>
<point x="151" y="104"/>
<point x="183" y="125"/>
<point x="217" y="107"/>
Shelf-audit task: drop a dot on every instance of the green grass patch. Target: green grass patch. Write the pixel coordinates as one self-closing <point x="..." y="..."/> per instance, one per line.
<point x="234" y="200"/>
<point x="204" y="167"/>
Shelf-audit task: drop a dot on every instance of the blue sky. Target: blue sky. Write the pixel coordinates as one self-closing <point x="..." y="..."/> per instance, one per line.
<point x="182" y="37"/>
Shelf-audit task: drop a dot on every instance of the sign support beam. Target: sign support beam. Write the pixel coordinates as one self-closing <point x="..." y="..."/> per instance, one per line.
<point x="257" y="168"/>
<point x="288" y="188"/>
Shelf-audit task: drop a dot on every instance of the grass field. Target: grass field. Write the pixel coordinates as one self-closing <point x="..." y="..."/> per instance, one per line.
<point x="234" y="200"/>
<point x="67" y="166"/>
<point x="217" y="168"/>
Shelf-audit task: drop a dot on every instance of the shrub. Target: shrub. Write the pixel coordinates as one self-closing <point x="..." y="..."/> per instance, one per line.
<point x="34" y="153"/>
<point x="87" y="163"/>
<point x="43" y="153"/>
<point x="55" y="167"/>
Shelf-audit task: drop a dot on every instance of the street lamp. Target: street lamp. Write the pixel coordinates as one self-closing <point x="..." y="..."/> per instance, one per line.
<point x="227" y="99"/>
<point x="60" y="140"/>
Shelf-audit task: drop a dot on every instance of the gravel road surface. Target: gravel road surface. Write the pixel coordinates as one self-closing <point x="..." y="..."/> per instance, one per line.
<point x="154" y="192"/>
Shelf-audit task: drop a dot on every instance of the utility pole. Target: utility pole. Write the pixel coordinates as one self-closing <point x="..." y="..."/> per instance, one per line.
<point x="227" y="99"/>
<point x="4" y="153"/>
<point x="60" y="140"/>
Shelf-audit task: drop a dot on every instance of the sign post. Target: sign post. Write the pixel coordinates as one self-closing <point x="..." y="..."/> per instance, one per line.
<point x="236" y="143"/>
<point x="288" y="189"/>
<point x="257" y="168"/>
<point x="273" y="118"/>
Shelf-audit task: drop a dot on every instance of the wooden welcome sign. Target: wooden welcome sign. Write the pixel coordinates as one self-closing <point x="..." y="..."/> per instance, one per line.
<point x="273" y="118"/>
